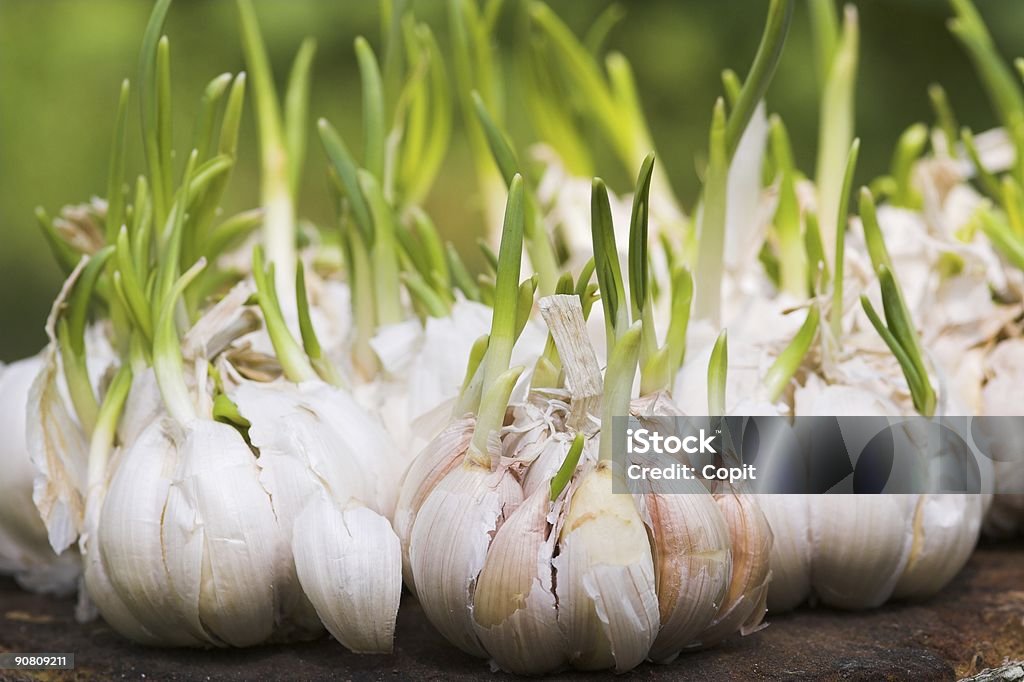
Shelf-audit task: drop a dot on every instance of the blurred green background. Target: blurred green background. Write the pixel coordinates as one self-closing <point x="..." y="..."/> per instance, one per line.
<point x="61" y="62"/>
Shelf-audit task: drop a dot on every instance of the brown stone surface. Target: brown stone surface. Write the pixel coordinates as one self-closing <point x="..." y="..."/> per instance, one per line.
<point x="977" y="623"/>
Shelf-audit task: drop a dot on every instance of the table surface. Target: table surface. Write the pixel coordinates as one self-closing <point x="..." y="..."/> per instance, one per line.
<point x="976" y="623"/>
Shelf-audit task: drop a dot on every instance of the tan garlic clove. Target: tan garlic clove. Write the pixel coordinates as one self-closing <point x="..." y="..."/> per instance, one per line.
<point x="605" y="583"/>
<point x="693" y="564"/>
<point x="751" y="539"/>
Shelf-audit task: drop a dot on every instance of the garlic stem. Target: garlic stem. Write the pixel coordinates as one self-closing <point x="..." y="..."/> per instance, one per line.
<point x="131" y="284"/>
<point x="792" y="255"/>
<point x="115" y="175"/>
<point x="491" y="415"/>
<point x="167" y="361"/>
<point x="824" y="32"/>
<point x="345" y="166"/>
<point x="1003" y="89"/>
<point x="836" y="129"/>
<point x="71" y="337"/>
<point x="503" y="318"/>
<point x="151" y="100"/>
<point x="606" y="260"/>
<point x="766" y="60"/>
<point x="310" y="343"/>
<point x="986" y="178"/>
<point x="618" y="383"/>
<point x="836" y="314"/>
<point x="538" y="243"/>
<point x="1003" y="238"/>
<point x="1013" y="204"/>
<point x="944" y="117"/>
<point x="276" y="166"/>
<point x="169" y="264"/>
<point x="711" y="239"/>
<point x="383" y="253"/>
<point x="641" y="297"/>
<point x="293" y="359"/>
<point x="202" y="136"/>
<point x="102" y="440"/>
<point x="908" y="149"/>
<point x="682" y="298"/>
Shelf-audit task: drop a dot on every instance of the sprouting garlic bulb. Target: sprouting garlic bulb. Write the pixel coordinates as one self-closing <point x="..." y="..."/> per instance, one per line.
<point x="859" y="551"/>
<point x="25" y="550"/>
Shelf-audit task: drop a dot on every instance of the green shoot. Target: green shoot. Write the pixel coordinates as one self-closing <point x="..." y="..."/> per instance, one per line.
<point x="836" y="314"/>
<point x="789" y="360"/>
<point x="568" y="467"/>
<point x="718" y="367"/>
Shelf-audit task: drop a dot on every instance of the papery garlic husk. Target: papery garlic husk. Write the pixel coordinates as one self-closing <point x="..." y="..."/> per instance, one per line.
<point x="349" y="563"/>
<point x="313" y="434"/>
<point x="424" y="365"/>
<point x="743" y="607"/>
<point x="607" y="603"/>
<point x="514" y="606"/>
<point x="25" y="551"/>
<point x="434" y="462"/>
<point x="539" y="438"/>
<point x="945" y="530"/>
<point x="449" y="542"/>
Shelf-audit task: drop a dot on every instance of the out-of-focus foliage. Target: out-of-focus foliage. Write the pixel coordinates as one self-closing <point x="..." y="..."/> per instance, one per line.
<point x="61" y="63"/>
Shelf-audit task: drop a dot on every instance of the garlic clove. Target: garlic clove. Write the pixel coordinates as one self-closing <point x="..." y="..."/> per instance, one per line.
<point x="789" y="517"/>
<point x="349" y="564"/>
<point x="751" y="540"/>
<point x="693" y="564"/>
<point x="449" y="542"/>
<point x="99" y="590"/>
<point x="514" y="608"/>
<point x="946" y="529"/>
<point x="218" y="504"/>
<point x="605" y="583"/>
<point x="431" y="465"/>
<point x="861" y="547"/>
<point x="128" y="542"/>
